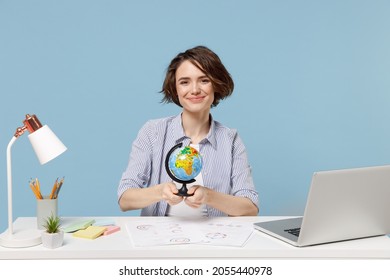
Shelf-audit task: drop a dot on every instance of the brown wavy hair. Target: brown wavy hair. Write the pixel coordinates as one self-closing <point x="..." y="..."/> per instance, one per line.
<point x="209" y="63"/>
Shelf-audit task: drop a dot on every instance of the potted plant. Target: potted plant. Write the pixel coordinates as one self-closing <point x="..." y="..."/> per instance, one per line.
<point x="53" y="236"/>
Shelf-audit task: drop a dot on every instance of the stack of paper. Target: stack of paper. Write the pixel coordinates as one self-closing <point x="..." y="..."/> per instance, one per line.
<point x="92" y="229"/>
<point x="216" y="231"/>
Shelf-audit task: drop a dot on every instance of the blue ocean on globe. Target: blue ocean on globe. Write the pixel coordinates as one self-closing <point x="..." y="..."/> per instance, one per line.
<point x="185" y="163"/>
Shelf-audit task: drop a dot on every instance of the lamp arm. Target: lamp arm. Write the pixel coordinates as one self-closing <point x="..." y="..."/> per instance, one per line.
<point x="20" y="130"/>
<point x="9" y="185"/>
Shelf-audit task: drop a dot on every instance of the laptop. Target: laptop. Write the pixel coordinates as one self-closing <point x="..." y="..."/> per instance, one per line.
<point x="342" y="205"/>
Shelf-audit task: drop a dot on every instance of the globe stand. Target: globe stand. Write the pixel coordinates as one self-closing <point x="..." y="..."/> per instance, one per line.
<point x="183" y="191"/>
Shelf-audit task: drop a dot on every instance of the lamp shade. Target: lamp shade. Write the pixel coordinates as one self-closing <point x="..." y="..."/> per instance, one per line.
<point x="46" y="144"/>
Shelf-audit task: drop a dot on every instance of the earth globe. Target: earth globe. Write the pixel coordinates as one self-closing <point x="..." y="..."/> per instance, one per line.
<point x="183" y="164"/>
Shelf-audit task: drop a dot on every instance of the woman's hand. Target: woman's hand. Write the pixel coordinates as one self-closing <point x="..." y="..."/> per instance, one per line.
<point x="168" y="193"/>
<point x="199" y="197"/>
<point x="229" y="204"/>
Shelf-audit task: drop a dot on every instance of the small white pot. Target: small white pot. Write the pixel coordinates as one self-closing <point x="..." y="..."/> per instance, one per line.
<point x="52" y="240"/>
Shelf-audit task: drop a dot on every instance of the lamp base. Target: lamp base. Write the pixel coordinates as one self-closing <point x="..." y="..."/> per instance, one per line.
<point x="21" y="239"/>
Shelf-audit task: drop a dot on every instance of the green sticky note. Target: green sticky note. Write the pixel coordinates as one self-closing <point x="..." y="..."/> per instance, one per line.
<point x="78" y="225"/>
<point x="104" y="222"/>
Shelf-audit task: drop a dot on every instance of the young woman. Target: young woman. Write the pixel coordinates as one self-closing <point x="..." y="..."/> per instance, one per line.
<point x="196" y="80"/>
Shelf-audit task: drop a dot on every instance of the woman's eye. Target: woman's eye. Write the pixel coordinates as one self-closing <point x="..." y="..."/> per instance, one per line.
<point x="205" y="81"/>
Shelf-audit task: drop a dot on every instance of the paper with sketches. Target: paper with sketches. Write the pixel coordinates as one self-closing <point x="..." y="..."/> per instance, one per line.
<point x="226" y="233"/>
<point x="175" y="231"/>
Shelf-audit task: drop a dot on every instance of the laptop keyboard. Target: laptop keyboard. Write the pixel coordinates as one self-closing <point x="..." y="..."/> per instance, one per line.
<point x="293" y="231"/>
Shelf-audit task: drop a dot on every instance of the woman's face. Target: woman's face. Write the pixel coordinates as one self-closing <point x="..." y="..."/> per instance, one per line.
<point x="194" y="89"/>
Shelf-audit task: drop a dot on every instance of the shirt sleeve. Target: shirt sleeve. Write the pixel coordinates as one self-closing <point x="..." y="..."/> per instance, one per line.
<point x="137" y="173"/>
<point x="242" y="179"/>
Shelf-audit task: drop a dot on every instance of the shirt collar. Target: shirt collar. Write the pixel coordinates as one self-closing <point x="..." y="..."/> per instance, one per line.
<point x="177" y="130"/>
<point x="179" y="136"/>
<point x="211" y="138"/>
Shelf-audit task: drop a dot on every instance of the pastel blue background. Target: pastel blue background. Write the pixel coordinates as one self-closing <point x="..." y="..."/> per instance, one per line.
<point x="312" y="89"/>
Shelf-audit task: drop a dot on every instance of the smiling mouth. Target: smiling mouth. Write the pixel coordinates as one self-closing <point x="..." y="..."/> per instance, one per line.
<point x="196" y="99"/>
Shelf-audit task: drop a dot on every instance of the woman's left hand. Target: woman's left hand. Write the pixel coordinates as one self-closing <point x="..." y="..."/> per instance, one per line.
<point x="199" y="197"/>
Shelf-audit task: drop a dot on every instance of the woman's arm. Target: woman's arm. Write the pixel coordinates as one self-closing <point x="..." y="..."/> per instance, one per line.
<point x="229" y="204"/>
<point x="137" y="198"/>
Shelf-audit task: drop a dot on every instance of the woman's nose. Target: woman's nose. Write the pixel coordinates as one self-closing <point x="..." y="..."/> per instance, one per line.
<point x="195" y="88"/>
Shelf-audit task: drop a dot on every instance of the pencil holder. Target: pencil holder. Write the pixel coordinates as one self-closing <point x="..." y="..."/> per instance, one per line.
<point x="46" y="207"/>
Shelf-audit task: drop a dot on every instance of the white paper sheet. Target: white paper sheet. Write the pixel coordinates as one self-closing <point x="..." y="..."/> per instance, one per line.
<point x="175" y="231"/>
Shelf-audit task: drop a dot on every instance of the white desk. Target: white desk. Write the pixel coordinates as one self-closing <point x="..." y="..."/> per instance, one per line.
<point x="119" y="246"/>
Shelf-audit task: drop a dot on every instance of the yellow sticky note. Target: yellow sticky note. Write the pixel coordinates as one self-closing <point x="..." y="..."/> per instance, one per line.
<point x="91" y="232"/>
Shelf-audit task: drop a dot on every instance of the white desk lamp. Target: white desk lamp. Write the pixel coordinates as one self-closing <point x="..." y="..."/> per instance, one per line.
<point x="47" y="147"/>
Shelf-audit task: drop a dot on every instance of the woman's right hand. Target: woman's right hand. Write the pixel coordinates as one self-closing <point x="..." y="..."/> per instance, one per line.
<point x="168" y="193"/>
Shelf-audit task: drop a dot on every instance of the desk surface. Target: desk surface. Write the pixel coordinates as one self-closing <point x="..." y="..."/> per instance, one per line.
<point x="260" y="245"/>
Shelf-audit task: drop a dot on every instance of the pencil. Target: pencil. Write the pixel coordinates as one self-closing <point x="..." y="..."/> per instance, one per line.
<point x="59" y="187"/>
<point x="37" y="188"/>
<point x="38" y="185"/>
<point x="54" y="189"/>
<point x="37" y="195"/>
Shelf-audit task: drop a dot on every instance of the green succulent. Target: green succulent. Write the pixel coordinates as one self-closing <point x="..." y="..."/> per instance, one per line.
<point x="52" y="224"/>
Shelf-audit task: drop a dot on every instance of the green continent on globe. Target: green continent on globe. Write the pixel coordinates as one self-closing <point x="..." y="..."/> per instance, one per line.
<point x="185" y="158"/>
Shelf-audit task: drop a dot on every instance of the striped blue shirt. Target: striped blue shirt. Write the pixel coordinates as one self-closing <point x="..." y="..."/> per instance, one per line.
<point x="225" y="162"/>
